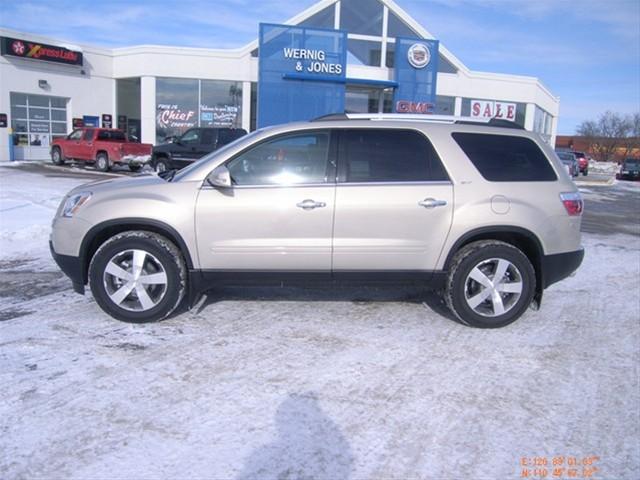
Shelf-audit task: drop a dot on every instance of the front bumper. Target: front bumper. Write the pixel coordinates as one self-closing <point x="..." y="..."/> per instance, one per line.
<point x="72" y="268"/>
<point x="559" y="266"/>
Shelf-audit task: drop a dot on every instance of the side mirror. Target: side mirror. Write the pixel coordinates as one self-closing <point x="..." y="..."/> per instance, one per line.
<point x="220" y="177"/>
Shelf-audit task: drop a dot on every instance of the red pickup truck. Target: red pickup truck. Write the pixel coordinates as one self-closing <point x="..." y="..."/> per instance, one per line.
<point x="104" y="146"/>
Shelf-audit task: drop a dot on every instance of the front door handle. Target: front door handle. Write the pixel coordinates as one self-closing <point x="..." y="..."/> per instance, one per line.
<point x="309" y="204"/>
<point x="432" y="203"/>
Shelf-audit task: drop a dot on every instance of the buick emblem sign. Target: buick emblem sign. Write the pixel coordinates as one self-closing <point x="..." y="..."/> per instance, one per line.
<point x="419" y="55"/>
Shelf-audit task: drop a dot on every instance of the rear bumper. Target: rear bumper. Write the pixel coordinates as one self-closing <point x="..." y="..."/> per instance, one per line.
<point x="136" y="159"/>
<point x="71" y="267"/>
<point x="559" y="266"/>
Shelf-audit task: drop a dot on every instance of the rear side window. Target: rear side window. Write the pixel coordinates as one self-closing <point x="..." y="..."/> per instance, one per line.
<point x="504" y="158"/>
<point x="208" y="137"/>
<point x="377" y="155"/>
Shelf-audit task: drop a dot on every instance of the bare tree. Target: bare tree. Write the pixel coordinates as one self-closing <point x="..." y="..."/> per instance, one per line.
<point x="632" y="141"/>
<point x="610" y="132"/>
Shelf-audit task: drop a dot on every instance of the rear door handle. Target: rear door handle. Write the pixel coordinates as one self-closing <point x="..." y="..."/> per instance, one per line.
<point x="309" y="204"/>
<point x="432" y="203"/>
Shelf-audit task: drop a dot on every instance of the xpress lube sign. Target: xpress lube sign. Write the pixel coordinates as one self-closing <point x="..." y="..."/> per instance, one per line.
<point x="302" y="73"/>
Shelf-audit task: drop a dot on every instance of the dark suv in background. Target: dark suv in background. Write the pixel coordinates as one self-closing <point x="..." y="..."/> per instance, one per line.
<point x="192" y="145"/>
<point x="630" y="169"/>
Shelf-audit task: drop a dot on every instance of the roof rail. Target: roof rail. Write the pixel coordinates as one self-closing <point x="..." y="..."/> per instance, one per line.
<point x="407" y="117"/>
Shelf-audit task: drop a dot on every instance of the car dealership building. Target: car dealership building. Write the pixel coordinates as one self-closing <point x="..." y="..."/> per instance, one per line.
<point x="359" y="56"/>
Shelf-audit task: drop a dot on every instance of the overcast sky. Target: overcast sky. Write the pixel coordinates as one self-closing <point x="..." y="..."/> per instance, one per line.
<point x="587" y="52"/>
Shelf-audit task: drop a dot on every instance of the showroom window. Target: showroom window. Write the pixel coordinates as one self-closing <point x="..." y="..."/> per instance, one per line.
<point x="364" y="52"/>
<point x="220" y="104"/>
<point x="323" y="19"/>
<point x="542" y="123"/>
<point x="363" y="17"/>
<point x="186" y="103"/>
<point x="445" y="105"/>
<point x="37" y="119"/>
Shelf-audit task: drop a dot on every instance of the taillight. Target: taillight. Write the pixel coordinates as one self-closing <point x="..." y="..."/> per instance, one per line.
<point x="572" y="203"/>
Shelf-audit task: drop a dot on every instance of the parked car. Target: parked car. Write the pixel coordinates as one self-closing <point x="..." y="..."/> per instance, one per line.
<point x="583" y="162"/>
<point x="477" y="211"/>
<point x="192" y="145"/>
<point x="630" y="169"/>
<point x="570" y="161"/>
<point x="104" y="146"/>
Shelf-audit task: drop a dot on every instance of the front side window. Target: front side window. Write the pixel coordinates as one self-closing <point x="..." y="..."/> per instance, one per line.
<point x="190" y="137"/>
<point x="287" y="160"/>
<point x="505" y="158"/>
<point x="76" y="135"/>
<point x="88" y="135"/>
<point x="376" y="155"/>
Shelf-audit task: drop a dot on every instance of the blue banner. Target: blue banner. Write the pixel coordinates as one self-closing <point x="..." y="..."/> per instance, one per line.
<point x="301" y="74"/>
<point x="416" y="68"/>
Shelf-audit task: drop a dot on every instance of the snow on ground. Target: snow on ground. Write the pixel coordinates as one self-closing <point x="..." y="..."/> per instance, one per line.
<point x="28" y="203"/>
<point x="299" y="383"/>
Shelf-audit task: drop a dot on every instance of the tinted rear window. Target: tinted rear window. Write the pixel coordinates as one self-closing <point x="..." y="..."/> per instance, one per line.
<point x="378" y="155"/>
<point x="111" y="135"/>
<point x="504" y="158"/>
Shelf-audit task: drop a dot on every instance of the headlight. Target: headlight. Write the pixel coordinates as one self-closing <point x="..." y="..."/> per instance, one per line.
<point x="74" y="202"/>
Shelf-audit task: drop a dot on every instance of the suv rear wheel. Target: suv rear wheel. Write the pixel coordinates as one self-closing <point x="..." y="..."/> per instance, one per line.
<point x="138" y="276"/>
<point x="490" y="284"/>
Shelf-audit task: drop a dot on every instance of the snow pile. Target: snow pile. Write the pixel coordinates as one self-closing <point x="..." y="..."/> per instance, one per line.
<point x="610" y="168"/>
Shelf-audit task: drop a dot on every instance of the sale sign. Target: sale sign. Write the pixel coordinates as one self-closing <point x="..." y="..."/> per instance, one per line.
<point x="491" y="109"/>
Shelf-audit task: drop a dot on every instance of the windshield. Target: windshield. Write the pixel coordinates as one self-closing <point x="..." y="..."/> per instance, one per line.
<point x="565" y="156"/>
<point x="221" y="151"/>
<point x="635" y="164"/>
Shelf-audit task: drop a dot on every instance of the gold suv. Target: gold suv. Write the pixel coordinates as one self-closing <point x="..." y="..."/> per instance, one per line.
<point x="482" y="211"/>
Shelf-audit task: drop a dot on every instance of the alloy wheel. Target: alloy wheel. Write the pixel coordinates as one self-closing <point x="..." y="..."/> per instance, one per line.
<point x="493" y="287"/>
<point x="135" y="280"/>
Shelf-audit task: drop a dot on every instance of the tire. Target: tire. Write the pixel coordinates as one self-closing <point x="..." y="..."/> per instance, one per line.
<point x="112" y="271"/>
<point x="56" y="156"/>
<point x="477" y="262"/>
<point x="135" y="168"/>
<point x="160" y="165"/>
<point x="585" y="173"/>
<point x="102" y="162"/>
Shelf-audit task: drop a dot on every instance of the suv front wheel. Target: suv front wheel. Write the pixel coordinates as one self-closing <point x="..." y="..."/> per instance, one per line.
<point x="138" y="276"/>
<point x="490" y="284"/>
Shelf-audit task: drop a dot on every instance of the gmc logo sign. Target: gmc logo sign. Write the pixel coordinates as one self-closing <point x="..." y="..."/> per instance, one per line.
<point x="405" y="106"/>
<point x="39" y="51"/>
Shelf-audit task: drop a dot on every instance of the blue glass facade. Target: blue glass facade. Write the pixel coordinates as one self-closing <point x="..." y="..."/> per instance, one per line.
<point x="416" y="69"/>
<point x="302" y="73"/>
